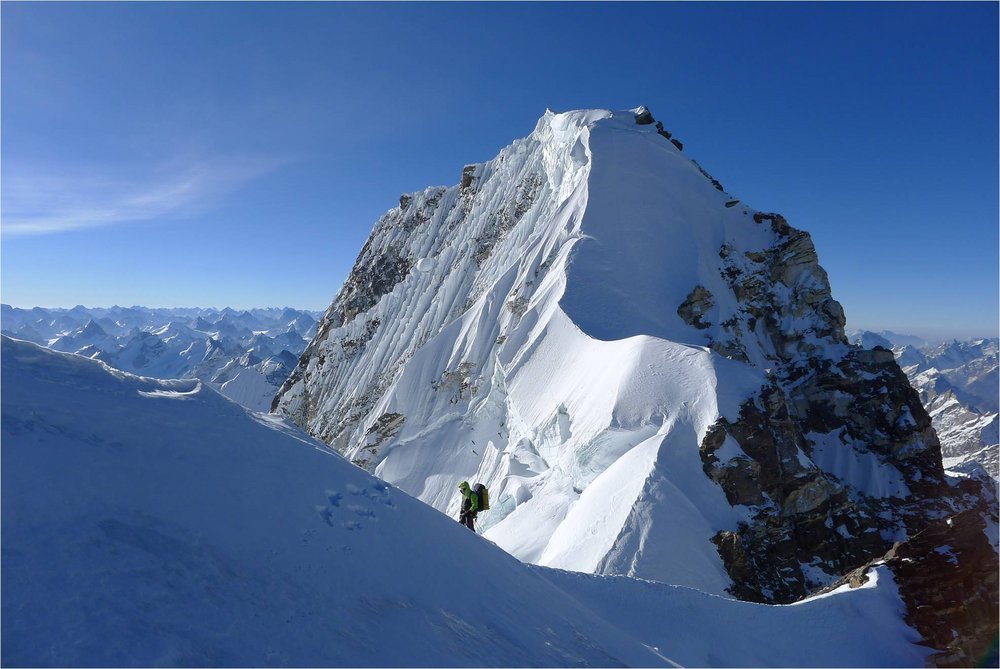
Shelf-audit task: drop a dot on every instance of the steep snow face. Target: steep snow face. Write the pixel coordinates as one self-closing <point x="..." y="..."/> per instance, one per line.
<point x="155" y="522"/>
<point x="590" y="325"/>
<point x="642" y="255"/>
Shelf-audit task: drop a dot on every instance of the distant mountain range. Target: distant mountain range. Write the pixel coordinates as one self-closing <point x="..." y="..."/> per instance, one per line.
<point x="245" y="355"/>
<point x="957" y="382"/>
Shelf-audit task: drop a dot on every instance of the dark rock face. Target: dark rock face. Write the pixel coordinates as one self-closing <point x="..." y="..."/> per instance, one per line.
<point x="644" y="117"/>
<point x="778" y="289"/>
<point x="370" y="282"/>
<point x="826" y="403"/>
<point x="868" y="398"/>
<point x="467" y="177"/>
<point x="951" y="595"/>
<point x="947" y="576"/>
<point x="778" y="222"/>
<point x="695" y="306"/>
<point x="663" y="132"/>
<point x="804" y="522"/>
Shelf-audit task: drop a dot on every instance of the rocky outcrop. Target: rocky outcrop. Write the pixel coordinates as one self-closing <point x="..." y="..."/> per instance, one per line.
<point x="643" y="116"/>
<point x="715" y="182"/>
<point x="698" y="303"/>
<point x="372" y="280"/>
<point x="947" y="576"/>
<point x="868" y="399"/>
<point x="828" y="407"/>
<point x="466" y="182"/>
<point x="783" y="297"/>
<point x="804" y="527"/>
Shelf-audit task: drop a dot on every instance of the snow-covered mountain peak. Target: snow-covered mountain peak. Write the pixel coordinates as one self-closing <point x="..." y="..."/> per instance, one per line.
<point x="652" y="377"/>
<point x="92" y="329"/>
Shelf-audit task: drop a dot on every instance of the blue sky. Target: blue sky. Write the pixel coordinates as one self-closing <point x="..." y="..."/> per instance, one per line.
<point x="202" y="154"/>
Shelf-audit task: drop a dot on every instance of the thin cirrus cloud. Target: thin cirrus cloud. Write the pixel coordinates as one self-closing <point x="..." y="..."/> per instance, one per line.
<point x="38" y="202"/>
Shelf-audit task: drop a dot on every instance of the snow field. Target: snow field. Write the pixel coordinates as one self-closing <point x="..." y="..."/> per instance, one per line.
<point x="156" y="522"/>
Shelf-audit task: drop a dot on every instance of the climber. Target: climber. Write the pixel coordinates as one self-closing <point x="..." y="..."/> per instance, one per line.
<point x="470" y="506"/>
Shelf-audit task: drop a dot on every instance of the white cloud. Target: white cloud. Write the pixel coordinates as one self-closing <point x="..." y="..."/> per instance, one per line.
<point x="39" y="202"/>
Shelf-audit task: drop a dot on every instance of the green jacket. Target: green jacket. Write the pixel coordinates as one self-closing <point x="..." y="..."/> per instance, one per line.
<point x="470" y="500"/>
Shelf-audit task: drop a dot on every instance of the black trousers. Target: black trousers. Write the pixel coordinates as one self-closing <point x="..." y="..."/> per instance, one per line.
<point x="468" y="519"/>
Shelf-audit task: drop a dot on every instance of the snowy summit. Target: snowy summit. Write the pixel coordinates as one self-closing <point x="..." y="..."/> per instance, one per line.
<point x="651" y="376"/>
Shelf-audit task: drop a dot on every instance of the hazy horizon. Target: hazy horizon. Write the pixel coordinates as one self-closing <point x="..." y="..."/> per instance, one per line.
<point x="930" y="333"/>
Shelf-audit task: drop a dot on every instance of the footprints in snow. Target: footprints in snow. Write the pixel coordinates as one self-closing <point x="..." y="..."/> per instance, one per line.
<point x="352" y="512"/>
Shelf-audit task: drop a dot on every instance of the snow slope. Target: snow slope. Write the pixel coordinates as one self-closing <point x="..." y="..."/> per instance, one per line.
<point x="151" y="522"/>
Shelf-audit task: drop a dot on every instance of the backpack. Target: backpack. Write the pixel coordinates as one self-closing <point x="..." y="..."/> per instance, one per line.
<point x="484" y="496"/>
